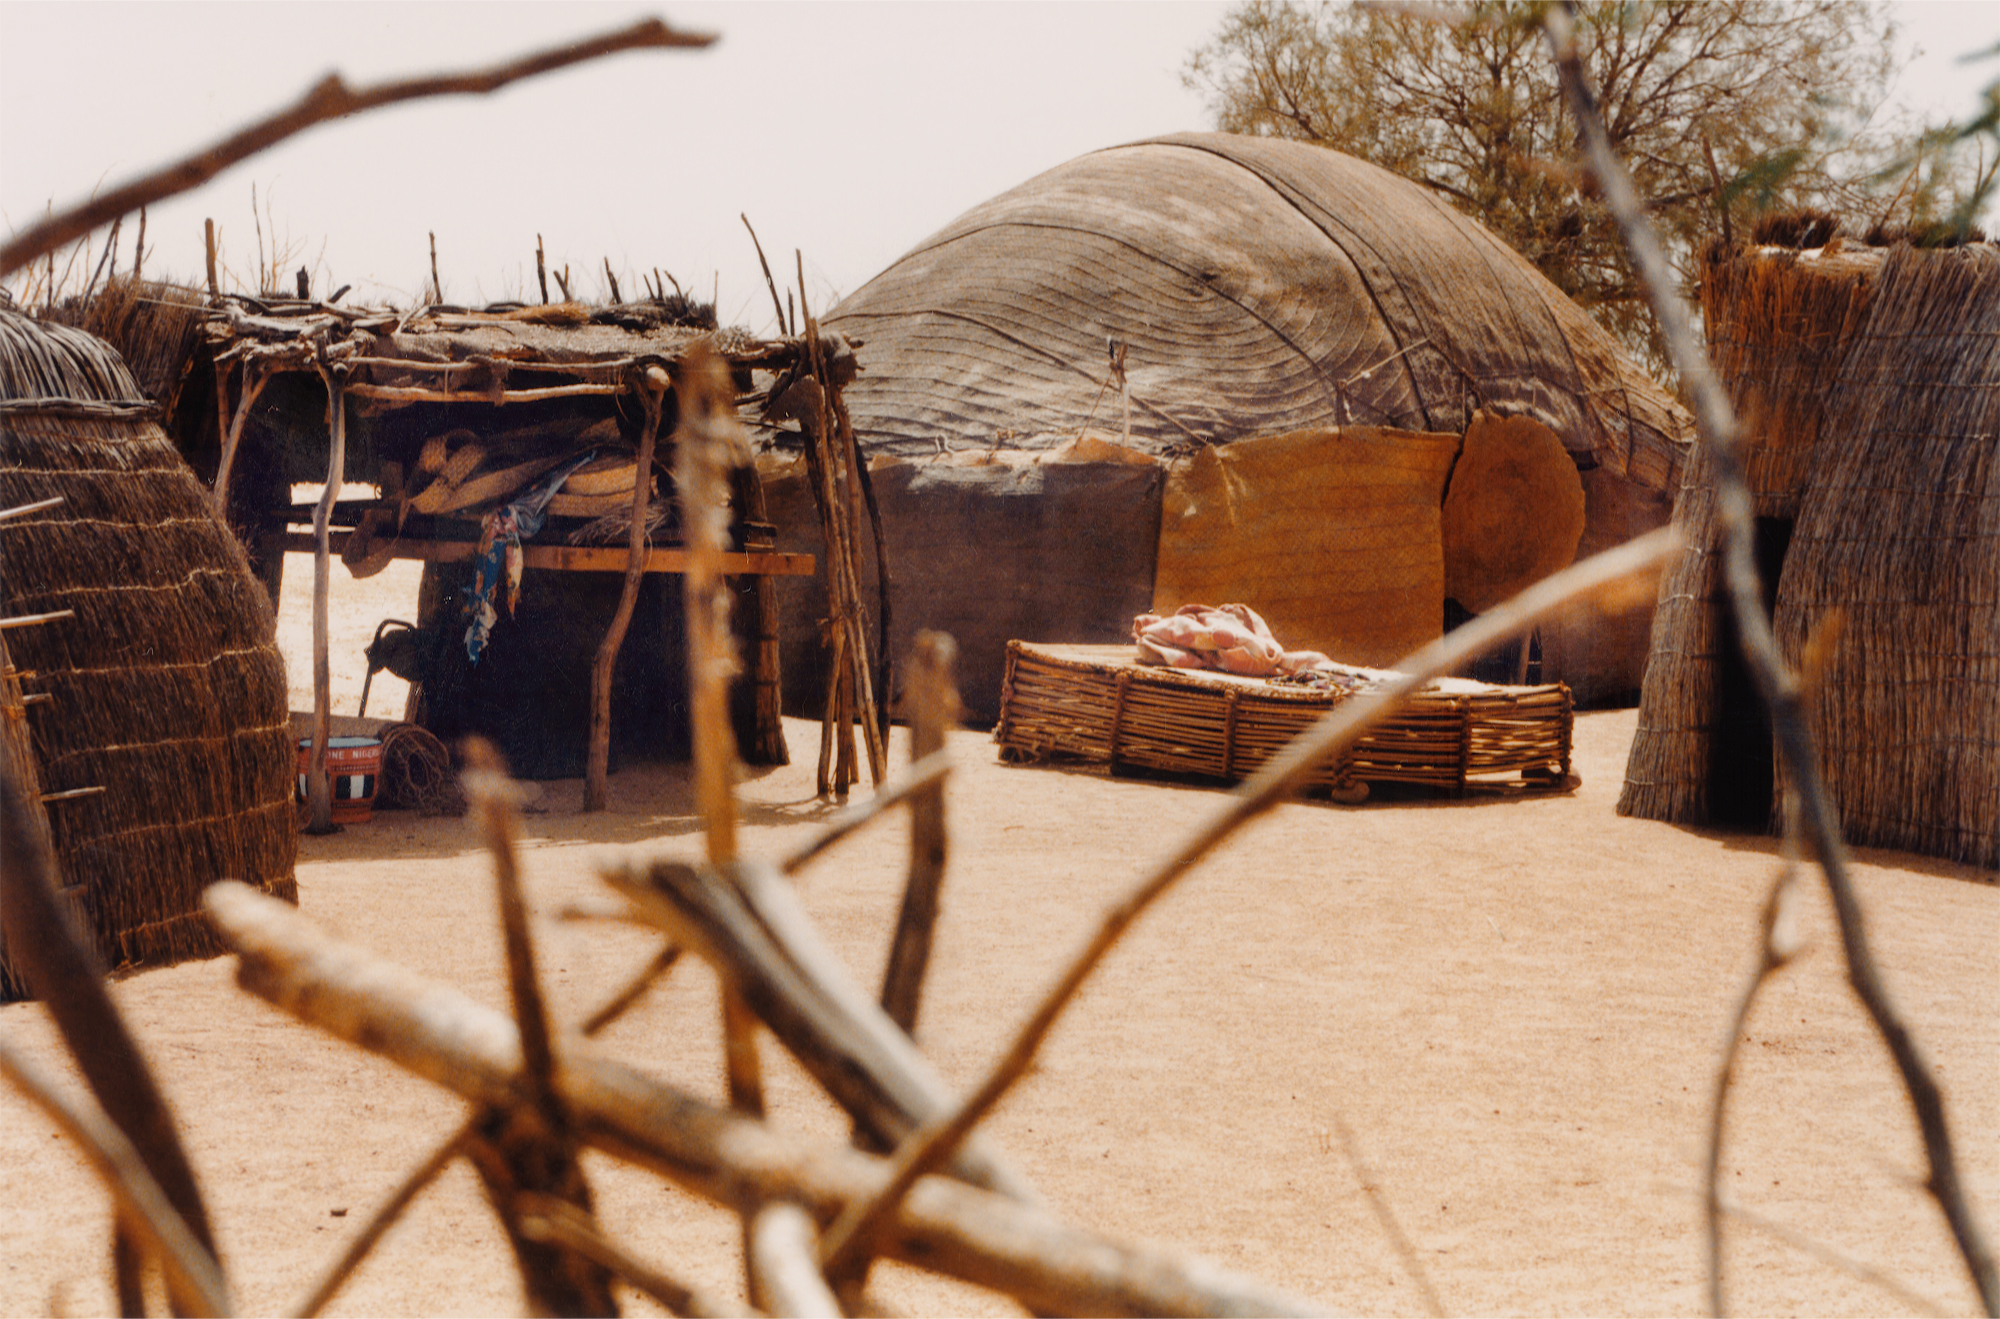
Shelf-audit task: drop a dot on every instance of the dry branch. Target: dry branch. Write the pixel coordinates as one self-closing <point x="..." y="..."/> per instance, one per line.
<point x="435" y="1032"/>
<point x="319" y="789"/>
<point x="784" y="1264"/>
<point x="193" y="1277"/>
<point x="652" y="385"/>
<point x="753" y="931"/>
<point x="560" y="1223"/>
<point x="849" y="1240"/>
<point x="933" y="709"/>
<point x="47" y="950"/>
<point x="427" y="1172"/>
<point x="330" y="99"/>
<point x="1715" y="422"/>
<point x="919" y="775"/>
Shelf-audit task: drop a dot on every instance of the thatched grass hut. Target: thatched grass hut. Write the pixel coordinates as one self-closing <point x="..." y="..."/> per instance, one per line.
<point x="1868" y="383"/>
<point x="155" y="700"/>
<point x="1246" y="288"/>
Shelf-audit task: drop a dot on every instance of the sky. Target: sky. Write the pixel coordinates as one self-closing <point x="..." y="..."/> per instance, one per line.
<point x="847" y="131"/>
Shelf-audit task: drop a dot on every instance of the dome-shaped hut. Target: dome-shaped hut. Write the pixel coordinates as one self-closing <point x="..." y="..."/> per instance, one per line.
<point x="1867" y="383"/>
<point x="151" y="685"/>
<point x="1248" y="287"/>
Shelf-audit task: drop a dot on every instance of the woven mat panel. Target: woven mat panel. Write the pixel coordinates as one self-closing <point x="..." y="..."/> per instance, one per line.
<point x="1332" y="535"/>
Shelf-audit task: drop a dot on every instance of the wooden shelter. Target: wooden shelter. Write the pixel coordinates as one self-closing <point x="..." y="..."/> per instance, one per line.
<point x="456" y="418"/>
<point x="1196" y="291"/>
<point x="1867" y="381"/>
<point x="139" y="657"/>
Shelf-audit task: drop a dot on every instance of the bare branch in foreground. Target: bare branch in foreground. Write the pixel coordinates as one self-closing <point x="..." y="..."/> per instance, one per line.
<point x="380" y="1222"/>
<point x="436" y="1032"/>
<point x="1391" y="1226"/>
<point x="331" y="98"/>
<point x="427" y="1172"/>
<point x="847" y="1242"/>
<point x="784" y="1264"/>
<point x="1779" y="944"/>
<point x="933" y="710"/>
<point x="1716" y="422"/>
<point x="561" y="1223"/>
<point x="916" y="776"/>
<point x="193" y="1276"/>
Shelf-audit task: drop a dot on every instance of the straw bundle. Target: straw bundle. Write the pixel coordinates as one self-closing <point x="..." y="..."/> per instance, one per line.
<point x="1097" y="704"/>
<point x="1869" y="387"/>
<point x="165" y="689"/>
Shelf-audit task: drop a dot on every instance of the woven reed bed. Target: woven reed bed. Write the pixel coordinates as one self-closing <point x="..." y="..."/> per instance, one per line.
<point x="166" y="688"/>
<point x="1099" y="705"/>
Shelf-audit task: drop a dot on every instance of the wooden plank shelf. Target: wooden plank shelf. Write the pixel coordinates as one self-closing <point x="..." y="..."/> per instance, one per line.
<point x="572" y="558"/>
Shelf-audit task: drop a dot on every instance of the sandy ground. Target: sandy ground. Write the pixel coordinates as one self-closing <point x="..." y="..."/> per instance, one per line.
<point x="1515" y="1007"/>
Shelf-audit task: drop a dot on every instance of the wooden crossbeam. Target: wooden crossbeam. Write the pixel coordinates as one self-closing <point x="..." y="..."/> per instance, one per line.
<point x="576" y="558"/>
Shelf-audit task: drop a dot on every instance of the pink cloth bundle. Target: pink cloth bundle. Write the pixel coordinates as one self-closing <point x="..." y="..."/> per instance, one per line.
<point x="1232" y="638"/>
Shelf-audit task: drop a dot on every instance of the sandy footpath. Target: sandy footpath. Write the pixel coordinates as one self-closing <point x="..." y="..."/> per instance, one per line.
<point x="1514" y="1006"/>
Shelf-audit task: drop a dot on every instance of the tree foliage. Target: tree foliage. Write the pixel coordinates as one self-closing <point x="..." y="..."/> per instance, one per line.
<point x="1720" y="108"/>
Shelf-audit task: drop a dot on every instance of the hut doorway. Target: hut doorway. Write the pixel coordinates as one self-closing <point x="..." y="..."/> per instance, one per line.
<point x="1742" y="760"/>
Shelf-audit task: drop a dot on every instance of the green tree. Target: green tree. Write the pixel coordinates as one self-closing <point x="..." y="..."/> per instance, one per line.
<point x="1720" y="108"/>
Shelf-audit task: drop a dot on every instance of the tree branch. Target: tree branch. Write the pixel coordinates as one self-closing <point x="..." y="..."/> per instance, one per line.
<point x="331" y="98"/>
<point x="1715" y="422"/>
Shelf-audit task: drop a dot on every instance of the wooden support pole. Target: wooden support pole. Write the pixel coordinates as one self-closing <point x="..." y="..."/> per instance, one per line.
<point x="319" y="789"/>
<point x="652" y="387"/>
<point x="254" y="378"/>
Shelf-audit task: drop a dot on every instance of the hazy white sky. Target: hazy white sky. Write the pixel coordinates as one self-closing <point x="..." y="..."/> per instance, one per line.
<point x="848" y="130"/>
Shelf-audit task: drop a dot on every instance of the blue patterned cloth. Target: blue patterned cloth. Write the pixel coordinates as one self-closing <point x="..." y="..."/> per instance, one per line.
<point x="499" y="557"/>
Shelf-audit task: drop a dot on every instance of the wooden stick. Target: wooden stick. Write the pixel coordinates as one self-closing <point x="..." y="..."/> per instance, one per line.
<point x="30" y="620"/>
<point x="427" y="1172"/>
<point x="541" y="270"/>
<point x="436" y="1032"/>
<point x="415" y="394"/>
<point x="597" y="769"/>
<point x="51" y="954"/>
<point x="777" y="307"/>
<point x="921" y="774"/>
<point x="884" y="595"/>
<point x="748" y="925"/>
<point x="784" y="1264"/>
<point x="847" y="1242"/>
<point x="1715" y="422"/>
<point x="573" y="558"/>
<point x="254" y="380"/>
<point x="380" y="1222"/>
<point x="532" y="1148"/>
<point x="557" y="1222"/>
<point x="621" y="1002"/>
<point x="208" y="236"/>
<point x="840" y="450"/>
<point x="193" y="1277"/>
<point x="22" y="510"/>
<point x="329" y="99"/>
<point x="612" y="280"/>
<point x="708" y="441"/>
<point x="932" y="709"/>
<point x="437" y="285"/>
<point x="319" y="789"/>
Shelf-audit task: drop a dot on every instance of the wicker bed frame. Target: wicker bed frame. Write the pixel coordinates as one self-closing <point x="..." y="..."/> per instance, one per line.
<point x="1099" y="705"/>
